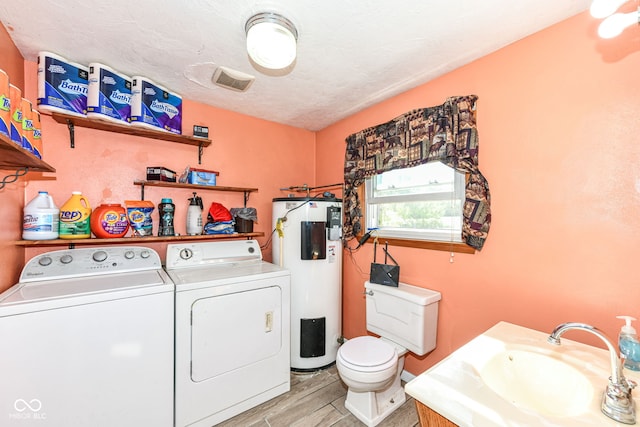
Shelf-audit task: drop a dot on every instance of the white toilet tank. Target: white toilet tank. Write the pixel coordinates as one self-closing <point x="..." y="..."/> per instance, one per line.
<point x="406" y="315"/>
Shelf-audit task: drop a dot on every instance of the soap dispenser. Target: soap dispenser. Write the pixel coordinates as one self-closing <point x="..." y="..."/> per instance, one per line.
<point x="629" y="344"/>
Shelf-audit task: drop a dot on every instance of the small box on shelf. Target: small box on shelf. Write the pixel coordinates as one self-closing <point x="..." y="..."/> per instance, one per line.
<point x="159" y="173"/>
<point x="202" y="177"/>
<point x="200" y="131"/>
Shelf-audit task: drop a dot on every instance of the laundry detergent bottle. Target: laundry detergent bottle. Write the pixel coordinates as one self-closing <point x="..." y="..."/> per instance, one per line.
<point x="629" y="344"/>
<point x="40" y="220"/>
<point x="75" y="217"/>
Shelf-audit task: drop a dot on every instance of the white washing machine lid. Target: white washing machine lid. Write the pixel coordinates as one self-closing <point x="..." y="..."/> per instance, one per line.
<point x="367" y="352"/>
<point x="51" y="294"/>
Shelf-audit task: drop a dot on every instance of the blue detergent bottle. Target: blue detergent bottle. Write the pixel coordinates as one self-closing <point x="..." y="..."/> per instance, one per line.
<point x="629" y="344"/>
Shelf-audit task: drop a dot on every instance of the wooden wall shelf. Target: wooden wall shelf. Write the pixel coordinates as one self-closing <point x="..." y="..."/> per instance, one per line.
<point x="134" y="240"/>
<point x="104" y="125"/>
<point x="107" y="126"/>
<point x="246" y="191"/>
<point x="13" y="156"/>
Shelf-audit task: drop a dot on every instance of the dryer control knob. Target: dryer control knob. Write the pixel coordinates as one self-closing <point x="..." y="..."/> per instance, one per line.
<point x="129" y="254"/>
<point x="145" y="254"/>
<point x="45" y="261"/>
<point x="99" y="256"/>
<point x="186" y="253"/>
<point x="66" y="259"/>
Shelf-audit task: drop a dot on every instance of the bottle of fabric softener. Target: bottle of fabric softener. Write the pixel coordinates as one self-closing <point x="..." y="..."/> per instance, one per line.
<point x="166" y="210"/>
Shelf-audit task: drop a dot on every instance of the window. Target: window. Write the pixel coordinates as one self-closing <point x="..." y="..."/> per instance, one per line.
<point x="421" y="203"/>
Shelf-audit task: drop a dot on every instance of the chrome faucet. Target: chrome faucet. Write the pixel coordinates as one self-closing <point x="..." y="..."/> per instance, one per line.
<point x="617" y="402"/>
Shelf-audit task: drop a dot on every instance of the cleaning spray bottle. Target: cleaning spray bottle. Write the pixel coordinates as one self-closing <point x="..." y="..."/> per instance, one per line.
<point x="194" y="216"/>
<point x="629" y="344"/>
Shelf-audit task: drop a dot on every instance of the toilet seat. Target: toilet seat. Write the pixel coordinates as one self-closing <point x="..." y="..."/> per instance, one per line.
<point x="367" y="354"/>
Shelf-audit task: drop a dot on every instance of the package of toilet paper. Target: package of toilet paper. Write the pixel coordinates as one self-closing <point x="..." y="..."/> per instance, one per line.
<point x="109" y="96"/>
<point x="154" y="107"/>
<point x="62" y="85"/>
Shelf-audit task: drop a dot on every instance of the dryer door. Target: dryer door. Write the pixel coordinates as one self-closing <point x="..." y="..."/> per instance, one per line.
<point x="234" y="330"/>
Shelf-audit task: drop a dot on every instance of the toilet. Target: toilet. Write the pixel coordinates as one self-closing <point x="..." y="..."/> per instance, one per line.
<point x="405" y="318"/>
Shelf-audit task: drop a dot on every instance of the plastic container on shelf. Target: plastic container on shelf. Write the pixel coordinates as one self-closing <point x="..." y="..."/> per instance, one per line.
<point x="194" y="215"/>
<point x="244" y="218"/>
<point x="109" y="220"/>
<point x="166" y="212"/>
<point x="139" y="216"/>
<point x="75" y="217"/>
<point x="40" y="220"/>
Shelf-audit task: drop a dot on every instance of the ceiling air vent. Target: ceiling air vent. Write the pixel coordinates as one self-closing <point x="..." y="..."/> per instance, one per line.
<point x="232" y="79"/>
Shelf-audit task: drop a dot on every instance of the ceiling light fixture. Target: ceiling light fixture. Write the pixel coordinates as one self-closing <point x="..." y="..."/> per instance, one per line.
<point x="603" y="8"/>
<point x="614" y="23"/>
<point x="271" y="40"/>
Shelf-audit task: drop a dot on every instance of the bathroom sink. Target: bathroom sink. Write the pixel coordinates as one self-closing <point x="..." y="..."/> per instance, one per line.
<point x="511" y="376"/>
<point x="538" y="382"/>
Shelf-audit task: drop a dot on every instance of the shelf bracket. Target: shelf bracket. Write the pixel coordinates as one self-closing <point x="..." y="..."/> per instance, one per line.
<point x="72" y="139"/>
<point x="200" y="150"/>
<point x="13" y="177"/>
<point x="246" y="198"/>
<point x="72" y="245"/>
<point x="142" y="191"/>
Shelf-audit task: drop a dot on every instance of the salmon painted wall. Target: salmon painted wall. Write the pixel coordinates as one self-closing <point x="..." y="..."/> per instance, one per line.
<point x="12" y="195"/>
<point x="559" y="126"/>
<point x="248" y="152"/>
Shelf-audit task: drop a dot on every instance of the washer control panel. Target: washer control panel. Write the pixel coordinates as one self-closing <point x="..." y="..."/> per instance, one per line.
<point x="200" y="254"/>
<point x="90" y="261"/>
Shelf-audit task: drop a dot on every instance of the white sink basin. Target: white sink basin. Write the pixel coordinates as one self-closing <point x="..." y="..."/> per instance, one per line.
<point x="538" y="382"/>
<point x="510" y="376"/>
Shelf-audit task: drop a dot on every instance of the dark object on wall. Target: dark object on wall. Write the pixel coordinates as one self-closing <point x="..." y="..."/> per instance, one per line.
<point x="384" y="274"/>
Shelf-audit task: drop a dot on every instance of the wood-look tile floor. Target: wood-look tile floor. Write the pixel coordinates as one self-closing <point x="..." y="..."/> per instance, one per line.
<point x="316" y="400"/>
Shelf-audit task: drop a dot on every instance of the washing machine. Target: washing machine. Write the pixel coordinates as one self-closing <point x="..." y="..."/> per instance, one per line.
<point x="87" y="340"/>
<point x="232" y="329"/>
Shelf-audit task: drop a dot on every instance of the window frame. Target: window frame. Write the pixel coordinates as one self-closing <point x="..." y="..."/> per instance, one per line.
<point x="457" y="247"/>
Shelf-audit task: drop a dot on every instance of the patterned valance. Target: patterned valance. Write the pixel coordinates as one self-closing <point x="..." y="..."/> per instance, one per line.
<point x="445" y="133"/>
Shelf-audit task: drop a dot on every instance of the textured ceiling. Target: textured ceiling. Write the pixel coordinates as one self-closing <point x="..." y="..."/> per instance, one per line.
<point x="351" y="54"/>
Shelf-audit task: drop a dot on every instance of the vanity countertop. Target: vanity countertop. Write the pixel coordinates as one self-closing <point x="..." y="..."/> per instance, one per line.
<point x="457" y="386"/>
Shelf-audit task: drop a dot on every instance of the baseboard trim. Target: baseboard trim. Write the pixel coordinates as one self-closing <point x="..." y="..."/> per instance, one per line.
<point x="406" y="376"/>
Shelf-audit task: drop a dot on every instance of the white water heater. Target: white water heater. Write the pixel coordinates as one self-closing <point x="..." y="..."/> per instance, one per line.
<point x="308" y="243"/>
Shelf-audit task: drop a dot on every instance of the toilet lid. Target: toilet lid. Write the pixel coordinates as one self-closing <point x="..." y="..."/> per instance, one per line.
<point x="367" y="351"/>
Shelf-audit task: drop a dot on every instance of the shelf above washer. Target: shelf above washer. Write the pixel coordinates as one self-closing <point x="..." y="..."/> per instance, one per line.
<point x="142" y="184"/>
<point x="134" y="240"/>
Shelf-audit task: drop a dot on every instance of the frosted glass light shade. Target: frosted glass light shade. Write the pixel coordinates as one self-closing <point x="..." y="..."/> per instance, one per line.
<point x="615" y="24"/>
<point x="603" y="8"/>
<point x="271" y="40"/>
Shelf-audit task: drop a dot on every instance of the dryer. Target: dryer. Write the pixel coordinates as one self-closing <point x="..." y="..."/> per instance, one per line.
<point x="232" y="338"/>
<point x="87" y="340"/>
